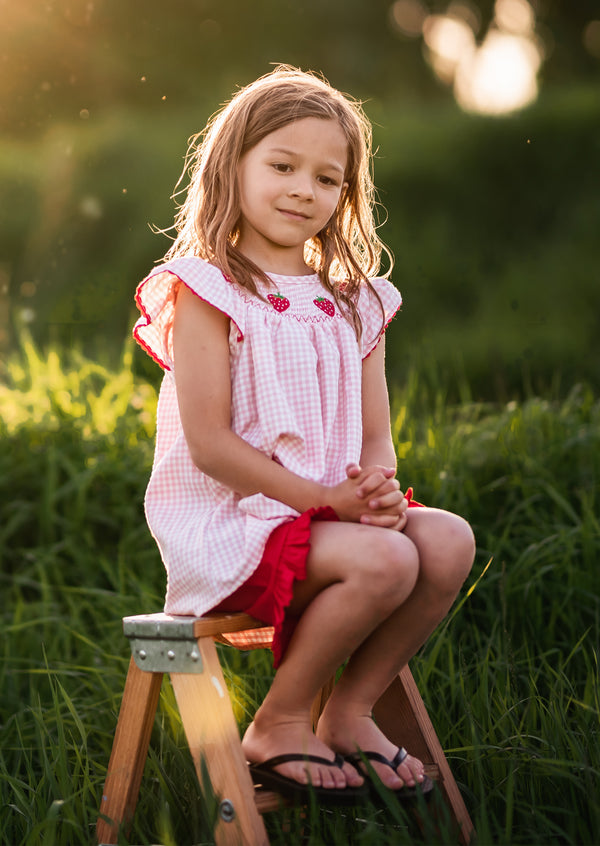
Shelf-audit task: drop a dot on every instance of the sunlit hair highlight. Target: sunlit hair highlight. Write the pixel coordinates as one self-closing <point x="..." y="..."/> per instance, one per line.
<point x="346" y="252"/>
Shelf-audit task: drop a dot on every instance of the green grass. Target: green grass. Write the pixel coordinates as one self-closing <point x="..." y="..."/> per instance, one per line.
<point x="510" y="679"/>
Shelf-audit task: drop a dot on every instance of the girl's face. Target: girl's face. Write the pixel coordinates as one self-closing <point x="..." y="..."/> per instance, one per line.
<point x="289" y="186"/>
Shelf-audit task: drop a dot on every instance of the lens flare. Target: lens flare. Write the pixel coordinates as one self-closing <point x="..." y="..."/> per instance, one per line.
<point x="496" y="75"/>
<point x="499" y="77"/>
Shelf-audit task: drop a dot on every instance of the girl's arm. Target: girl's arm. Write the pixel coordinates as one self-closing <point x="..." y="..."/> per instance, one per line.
<point x="377" y="445"/>
<point x="203" y="383"/>
<point x="378" y="452"/>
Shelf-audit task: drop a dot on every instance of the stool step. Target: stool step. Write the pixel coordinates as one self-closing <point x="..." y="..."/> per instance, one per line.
<point x="167" y="643"/>
<point x="268" y="800"/>
<point x="433" y="771"/>
<point x="174" y="626"/>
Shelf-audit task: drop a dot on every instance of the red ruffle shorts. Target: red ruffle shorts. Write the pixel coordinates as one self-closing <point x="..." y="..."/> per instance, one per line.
<point x="268" y="592"/>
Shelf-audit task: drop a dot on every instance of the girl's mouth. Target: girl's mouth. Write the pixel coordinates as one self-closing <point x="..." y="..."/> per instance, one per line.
<point x="293" y="215"/>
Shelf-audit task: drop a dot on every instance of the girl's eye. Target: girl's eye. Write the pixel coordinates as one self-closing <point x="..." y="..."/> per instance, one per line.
<point x="328" y="180"/>
<point x="282" y="168"/>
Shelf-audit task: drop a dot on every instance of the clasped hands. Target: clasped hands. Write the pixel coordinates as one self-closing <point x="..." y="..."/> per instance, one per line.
<point x="372" y="496"/>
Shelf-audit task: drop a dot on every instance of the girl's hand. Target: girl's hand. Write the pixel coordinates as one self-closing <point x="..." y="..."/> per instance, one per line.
<point x="370" y="496"/>
<point x="380" y="489"/>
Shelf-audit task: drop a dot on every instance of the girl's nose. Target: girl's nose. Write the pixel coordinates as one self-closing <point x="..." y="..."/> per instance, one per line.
<point x="302" y="187"/>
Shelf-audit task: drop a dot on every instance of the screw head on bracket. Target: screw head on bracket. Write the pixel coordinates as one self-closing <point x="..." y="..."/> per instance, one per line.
<point x="227" y="811"/>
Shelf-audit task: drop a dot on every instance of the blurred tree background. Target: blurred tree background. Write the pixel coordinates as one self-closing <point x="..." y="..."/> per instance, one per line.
<point x="487" y="123"/>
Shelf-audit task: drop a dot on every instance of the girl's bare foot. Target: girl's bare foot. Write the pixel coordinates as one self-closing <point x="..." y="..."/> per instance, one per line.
<point x="348" y="733"/>
<point x="268" y="737"/>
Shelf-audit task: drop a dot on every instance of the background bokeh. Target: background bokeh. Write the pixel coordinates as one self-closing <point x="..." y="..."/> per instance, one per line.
<point x="487" y="123"/>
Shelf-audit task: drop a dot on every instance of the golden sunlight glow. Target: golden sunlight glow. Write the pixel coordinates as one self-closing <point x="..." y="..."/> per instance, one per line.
<point x="465" y="11"/>
<point x="591" y="38"/>
<point x="515" y="16"/>
<point x="4" y="309"/>
<point x="497" y="75"/>
<point x="408" y="17"/>
<point x="449" y="39"/>
<point x="500" y="77"/>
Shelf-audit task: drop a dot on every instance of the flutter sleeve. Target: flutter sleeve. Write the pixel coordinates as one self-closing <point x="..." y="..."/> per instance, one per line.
<point x="375" y="313"/>
<point x="156" y="294"/>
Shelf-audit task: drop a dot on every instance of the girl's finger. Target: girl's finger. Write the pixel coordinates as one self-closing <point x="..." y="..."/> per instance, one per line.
<point x="401" y="523"/>
<point x="384" y="521"/>
<point x="376" y="483"/>
<point x="393" y="500"/>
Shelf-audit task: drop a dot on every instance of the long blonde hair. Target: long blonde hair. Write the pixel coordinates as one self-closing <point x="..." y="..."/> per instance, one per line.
<point x="346" y="252"/>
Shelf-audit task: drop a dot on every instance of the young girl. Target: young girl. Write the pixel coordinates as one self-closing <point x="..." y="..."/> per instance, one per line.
<point x="273" y="489"/>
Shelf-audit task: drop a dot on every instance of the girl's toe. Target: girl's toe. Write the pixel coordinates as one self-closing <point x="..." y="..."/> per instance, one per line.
<point x="353" y="778"/>
<point x="411" y="771"/>
<point x="331" y="777"/>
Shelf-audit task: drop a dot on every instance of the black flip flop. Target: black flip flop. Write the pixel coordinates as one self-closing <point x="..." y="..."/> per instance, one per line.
<point x="264" y="775"/>
<point x="405" y="793"/>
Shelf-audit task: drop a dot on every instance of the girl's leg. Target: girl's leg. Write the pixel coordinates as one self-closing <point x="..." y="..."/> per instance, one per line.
<point x="446" y="549"/>
<point x="356" y="577"/>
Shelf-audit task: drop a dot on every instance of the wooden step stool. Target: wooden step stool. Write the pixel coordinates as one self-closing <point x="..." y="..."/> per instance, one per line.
<point x="185" y="648"/>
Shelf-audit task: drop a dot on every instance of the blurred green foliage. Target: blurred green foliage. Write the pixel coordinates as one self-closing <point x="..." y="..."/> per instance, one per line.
<point x="494" y="228"/>
<point x="493" y="225"/>
<point x="492" y="221"/>
<point x="144" y="55"/>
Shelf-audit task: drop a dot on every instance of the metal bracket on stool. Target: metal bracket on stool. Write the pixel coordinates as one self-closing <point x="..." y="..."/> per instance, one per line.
<point x="163" y="647"/>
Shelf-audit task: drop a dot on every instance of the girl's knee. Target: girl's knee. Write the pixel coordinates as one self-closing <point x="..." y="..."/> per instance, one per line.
<point x="389" y="571"/>
<point x="446" y="546"/>
<point x="457" y="552"/>
<point x="462" y="545"/>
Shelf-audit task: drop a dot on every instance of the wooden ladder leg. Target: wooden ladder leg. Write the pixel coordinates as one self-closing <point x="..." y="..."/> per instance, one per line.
<point x="402" y="716"/>
<point x="320" y="701"/>
<point x="214" y="741"/>
<point x="129" y="752"/>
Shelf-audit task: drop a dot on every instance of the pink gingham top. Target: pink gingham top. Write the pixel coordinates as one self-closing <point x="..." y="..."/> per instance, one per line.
<point x="296" y="396"/>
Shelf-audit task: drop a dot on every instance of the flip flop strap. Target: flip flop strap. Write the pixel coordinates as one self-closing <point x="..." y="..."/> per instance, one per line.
<point x="338" y="761"/>
<point x="398" y="758"/>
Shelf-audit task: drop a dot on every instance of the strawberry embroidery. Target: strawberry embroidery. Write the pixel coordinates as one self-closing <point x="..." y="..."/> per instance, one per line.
<point x="325" y="305"/>
<point x="279" y="302"/>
